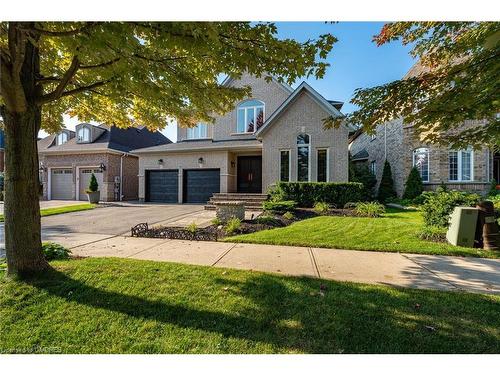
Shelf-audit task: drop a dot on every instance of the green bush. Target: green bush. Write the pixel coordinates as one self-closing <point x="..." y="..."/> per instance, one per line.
<point x="493" y="188"/>
<point x="192" y="228"/>
<point x="233" y="225"/>
<point x="279" y="206"/>
<point x="438" y="206"/>
<point x="306" y="194"/>
<point x="369" y="209"/>
<point x="363" y="175"/>
<point x="288" y="215"/>
<point x="413" y="186"/>
<point x="321" y="208"/>
<point x="93" y="185"/>
<point x="216" y="221"/>
<point x="386" y="188"/>
<point x="432" y="233"/>
<point x="267" y="220"/>
<point x="54" y="251"/>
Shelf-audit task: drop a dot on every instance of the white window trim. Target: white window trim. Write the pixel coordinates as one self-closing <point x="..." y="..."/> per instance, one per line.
<point x="289" y="164"/>
<point x="82" y="129"/>
<point x="193" y="128"/>
<point x="263" y="106"/>
<point x="327" y="162"/>
<point x="60" y="135"/>
<point x="428" y="163"/>
<point x="459" y="166"/>
<point x="308" y="145"/>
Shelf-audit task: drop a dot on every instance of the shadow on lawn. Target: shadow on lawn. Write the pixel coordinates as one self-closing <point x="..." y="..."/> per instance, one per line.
<point x="291" y="314"/>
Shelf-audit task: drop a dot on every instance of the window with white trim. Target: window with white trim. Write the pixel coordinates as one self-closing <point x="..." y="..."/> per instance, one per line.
<point x="421" y="162"/>
<point x="285" y="165"/>
<point x="373" y="167"/>
<point x="322" y="160"/>
<point x="461" y="165"/>
<point x="303" y="152"/>
<point x="62" y="138"/>
<point x="197" y="132"/>
<point x="83" y="134"/>
<point x="250" y="116"/>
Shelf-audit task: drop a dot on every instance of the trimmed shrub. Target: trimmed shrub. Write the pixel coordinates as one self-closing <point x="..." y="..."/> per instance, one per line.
<point x="306" y="194"/>
<point x="279" y="206"/>
<point x="233" y="225"/>
<point x="369" y="209"/>
<point x="321" y="208"/>
<point x="93" y="185"/>
<point x="363" y="175"/>
<point x="413" y="186"/>
<point x="386" y="188"/>
<point x="438" y="207"/>
<point x="54" y="251"/>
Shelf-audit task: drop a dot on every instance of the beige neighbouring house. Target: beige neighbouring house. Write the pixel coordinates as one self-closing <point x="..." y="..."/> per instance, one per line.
<point x="275" y="135"/>
<point x="69" y="158"/>
<point x="468" y="169"/>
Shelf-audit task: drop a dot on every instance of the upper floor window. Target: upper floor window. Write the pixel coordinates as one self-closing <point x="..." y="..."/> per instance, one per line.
<point x="373" y="167"/>
<point x="421" y="161"/>
<point x="460" y="164"/>
<point x="62" y="138"/>
<point x="250" y="116"/>
<point x="197" y="132"/>
<point x="303" y="151"/>
<point x="83" y="134"/>
<point x="373" y="136"/>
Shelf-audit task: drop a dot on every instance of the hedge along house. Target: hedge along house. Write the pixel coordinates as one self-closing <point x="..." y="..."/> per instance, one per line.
<point x="466" y="169"/>
<point x="68" y="159"/>
<point x="275" y="135"/>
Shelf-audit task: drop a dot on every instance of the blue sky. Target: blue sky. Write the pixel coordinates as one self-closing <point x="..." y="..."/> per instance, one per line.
<point x="355" y="61"/>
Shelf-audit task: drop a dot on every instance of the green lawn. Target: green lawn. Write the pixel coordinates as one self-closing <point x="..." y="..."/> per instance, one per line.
<point x="63" y="209"/>
<point x="397" y="231"/>
<point x="130" y="306"/>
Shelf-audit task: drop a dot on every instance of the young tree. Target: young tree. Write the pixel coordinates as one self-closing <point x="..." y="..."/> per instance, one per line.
<point x="386" y="188"/>
<point x="457" y="79"/>
<point x="122" y="73"/>
<point x="414" y="185"/>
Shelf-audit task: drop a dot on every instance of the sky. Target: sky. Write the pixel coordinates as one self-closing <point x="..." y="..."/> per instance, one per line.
<point x="355" y="61"/>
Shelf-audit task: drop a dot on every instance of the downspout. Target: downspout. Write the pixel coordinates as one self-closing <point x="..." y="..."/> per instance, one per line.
<point x="385" y="141"/>
<point x="121" y="176"/>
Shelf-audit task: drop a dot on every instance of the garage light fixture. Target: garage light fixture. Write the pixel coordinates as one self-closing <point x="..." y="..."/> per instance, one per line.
<point x="102" y="167"/>
<point x="233" y="164"/>
<point x="200" y="160"/>
<point x="160" y="161"/>
<point x="42" y="168"/>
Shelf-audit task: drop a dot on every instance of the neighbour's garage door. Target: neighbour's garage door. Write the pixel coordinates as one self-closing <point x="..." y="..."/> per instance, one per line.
<point x="162" y="186"/>
<point x="85" y="174"/>
<point x="200" y="185"/>
<point x="61" y="183"/>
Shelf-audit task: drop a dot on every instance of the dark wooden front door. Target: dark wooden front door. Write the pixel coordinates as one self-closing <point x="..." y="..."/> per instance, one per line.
<point x="250" y="174"/>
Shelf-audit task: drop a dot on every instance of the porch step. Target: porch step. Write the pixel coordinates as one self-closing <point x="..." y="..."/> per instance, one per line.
<point x="252" y="201"/>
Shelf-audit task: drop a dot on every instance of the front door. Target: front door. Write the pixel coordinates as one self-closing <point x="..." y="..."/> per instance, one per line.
<point x="250" y="174"/>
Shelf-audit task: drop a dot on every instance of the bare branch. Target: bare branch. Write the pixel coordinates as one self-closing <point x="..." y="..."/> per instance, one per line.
<point x="68" y="75"/>
<point x="101" y="65"/>
<point x="47" y="98"/>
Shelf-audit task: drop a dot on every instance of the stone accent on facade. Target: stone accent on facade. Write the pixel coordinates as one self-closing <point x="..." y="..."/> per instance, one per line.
<point x="112" y="164"/>
<point x="228" y="210"/>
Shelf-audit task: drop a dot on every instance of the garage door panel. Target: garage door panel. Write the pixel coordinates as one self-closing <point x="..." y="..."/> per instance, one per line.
<point x="162" y="186"/>
<point x="85" y="175"/>
<point x="200" y="185"/>
<point x="61" y="184"/>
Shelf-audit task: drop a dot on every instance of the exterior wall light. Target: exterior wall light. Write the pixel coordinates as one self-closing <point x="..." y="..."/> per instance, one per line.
<point x="160" y="161"/>
<point x="200" y="160"/>
<point x="102" y="167"/>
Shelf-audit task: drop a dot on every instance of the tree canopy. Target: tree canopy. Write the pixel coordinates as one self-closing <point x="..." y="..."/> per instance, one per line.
<point x="128" y="73"/>
<point x="456" y="80"/>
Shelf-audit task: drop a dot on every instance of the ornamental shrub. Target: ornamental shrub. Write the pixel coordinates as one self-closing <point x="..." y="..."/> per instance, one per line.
<point x="306" y="194"/>
<point x="413" y="186"/>
<point x="93" y="185"/>
<point x="363" y="175"/>
<point x="279" y="206"/>
<point x="321" y="208"/>
<point x="369" y="209"/>
<point x="54" y="251"/>
<point x="233" y="225"/>
<point x="438" y="207"/>
<point x="386" y="188"/>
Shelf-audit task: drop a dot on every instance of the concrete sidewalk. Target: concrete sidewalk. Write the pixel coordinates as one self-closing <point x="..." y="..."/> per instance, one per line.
<point x="395" y="269"/>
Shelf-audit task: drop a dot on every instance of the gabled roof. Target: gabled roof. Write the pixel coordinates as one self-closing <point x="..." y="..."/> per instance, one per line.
<point x="112" y="139"/>
<point x="227" y="81"/>
<point x="361" y="155"/>
<point x="317" y="97"/>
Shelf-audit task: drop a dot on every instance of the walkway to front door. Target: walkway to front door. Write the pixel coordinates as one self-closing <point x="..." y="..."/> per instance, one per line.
<point x="249" y="174"/>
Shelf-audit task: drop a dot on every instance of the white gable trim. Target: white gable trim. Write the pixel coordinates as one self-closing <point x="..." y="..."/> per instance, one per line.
<point x="318" y="98"/>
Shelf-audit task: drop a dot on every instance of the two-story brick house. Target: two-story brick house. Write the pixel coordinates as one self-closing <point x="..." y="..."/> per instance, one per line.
<point x="275" y="135"/>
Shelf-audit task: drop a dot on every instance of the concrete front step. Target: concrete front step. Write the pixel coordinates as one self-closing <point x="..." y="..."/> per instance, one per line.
<point x="248" y="200"/>
<point x="255" y="207"/>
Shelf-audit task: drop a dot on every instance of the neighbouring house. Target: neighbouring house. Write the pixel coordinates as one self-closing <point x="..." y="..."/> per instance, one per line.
<point x="68" y="159"/>
<point x="275" y="135"/>
<point x="468" y="169"/>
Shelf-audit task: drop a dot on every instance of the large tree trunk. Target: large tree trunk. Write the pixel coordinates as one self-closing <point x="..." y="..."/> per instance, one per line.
<point x="22" y="209"/>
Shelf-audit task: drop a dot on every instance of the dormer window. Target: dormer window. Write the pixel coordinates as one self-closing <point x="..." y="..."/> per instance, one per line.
<point x="83" y="134"/>
<point x="61" y="138"/>
<point x="250" y="116"/>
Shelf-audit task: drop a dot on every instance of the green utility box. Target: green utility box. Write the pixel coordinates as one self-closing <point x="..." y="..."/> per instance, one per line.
<point x="462" y="227"/>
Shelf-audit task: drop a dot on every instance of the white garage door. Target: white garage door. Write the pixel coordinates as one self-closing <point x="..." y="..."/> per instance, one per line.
<point x="61" y="184"/>
<point x="85" y="174"/>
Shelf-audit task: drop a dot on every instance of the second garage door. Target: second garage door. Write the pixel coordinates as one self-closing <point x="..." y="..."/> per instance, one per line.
<point x="61" y="183"/>
<point x="200" y="185"/>
<point x="162" y="186"/>
<point x="85" y="175"/>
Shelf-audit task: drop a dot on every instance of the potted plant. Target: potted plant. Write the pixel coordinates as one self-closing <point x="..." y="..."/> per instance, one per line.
<point x="93" y="192"/>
